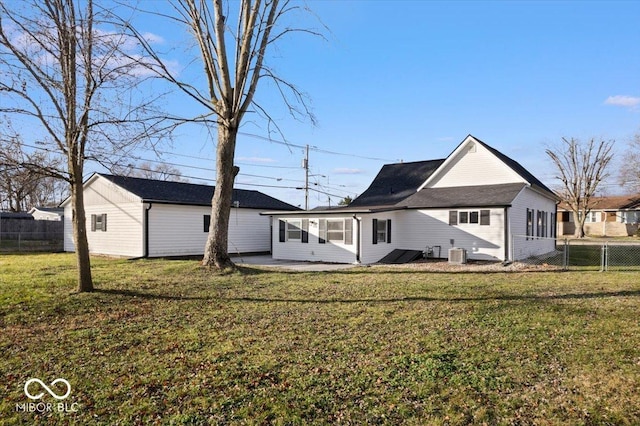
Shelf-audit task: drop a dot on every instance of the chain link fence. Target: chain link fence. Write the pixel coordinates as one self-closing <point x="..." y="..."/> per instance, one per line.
<point x="574" y="254"/>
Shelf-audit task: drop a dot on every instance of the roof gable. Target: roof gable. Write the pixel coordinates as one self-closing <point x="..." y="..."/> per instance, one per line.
<point x="149" y="190"/>
<point x="474" y="162"/>
<point x="395" y="182"/>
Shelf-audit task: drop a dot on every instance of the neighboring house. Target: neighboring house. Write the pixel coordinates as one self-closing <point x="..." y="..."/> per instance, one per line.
<point x="476" y="199"/>
<point x="136" y="217"/>
<point x="47" y="213"/>
<point x="615" y="216"/>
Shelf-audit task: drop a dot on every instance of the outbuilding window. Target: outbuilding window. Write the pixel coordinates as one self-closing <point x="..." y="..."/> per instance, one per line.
<point x="99" y="222"/>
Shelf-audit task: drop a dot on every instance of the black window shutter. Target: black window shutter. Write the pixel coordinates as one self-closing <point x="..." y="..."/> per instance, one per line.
<point x="305" y="230"/>
<point x="388" y="231"/>
<point x="453" y="217"/>
<point x="104" y="222"/>
<point x="375" y="231"/>
<point x="322" y="231"/>
<point x="283" y="231"/>
<point x="348" y="231"/>
<point x="485" y="217"/>
<point x="93" y="222"/>
<point x="206" y="222"/>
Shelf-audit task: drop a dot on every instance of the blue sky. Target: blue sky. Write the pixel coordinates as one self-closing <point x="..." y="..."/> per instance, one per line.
<point x="409" y="80"/>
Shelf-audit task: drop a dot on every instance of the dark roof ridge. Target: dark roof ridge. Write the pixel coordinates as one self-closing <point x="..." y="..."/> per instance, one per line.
<point x="185" y="193"/>
<point x="514" y="165"/>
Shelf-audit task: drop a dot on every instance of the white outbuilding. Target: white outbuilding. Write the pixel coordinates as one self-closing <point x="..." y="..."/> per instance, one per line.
<point x="135" y="217"/>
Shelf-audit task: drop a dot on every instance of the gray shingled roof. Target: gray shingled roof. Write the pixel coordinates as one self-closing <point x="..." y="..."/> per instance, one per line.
<point x="193" y="194"/>
<point x="464" y="196"/>
<point x="396" y="185"/>
<point x="395" y="182"/>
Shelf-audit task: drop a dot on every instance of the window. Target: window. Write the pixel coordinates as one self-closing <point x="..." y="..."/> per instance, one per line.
<point x="464" y="217"/>
<point x="593" y="217"/>
<point x="485" y="217"/>
<point x="482" y="217"/>
<point x="529" y="223"/>
<point x="630" y="217"/>
<point x="294" y="230"/>
<point x="336" y="230"/>
<point x="207" y="222"/>
<point x="539" y="223"/>
<point x="99" y="222"/>
<point x="473" y="217"/>
<point x="453" y="217"/>
<point x="381" y="231"/>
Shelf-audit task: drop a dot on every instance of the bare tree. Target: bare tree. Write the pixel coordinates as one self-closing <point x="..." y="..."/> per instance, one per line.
<point x="22" y="188"/>
<point x="64" y="72"/>
<point x="146" y="170"/>
<point x="581" y="168"/>
<point x="630" y="167"/>
<point x="233" y="58"/>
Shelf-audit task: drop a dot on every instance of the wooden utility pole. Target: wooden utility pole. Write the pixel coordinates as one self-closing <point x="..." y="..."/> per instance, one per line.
<point x="305" y="164"/>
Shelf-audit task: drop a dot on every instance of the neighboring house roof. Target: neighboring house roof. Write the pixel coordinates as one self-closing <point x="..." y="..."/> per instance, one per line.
<point x="395" y="182"/>
<point x="464" y="196"/>
<point x="621" y="202"/>
<point x="167" y="192"/>
<point x="55" y="210"/>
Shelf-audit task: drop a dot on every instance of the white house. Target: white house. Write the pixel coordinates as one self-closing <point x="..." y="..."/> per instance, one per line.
<point x="47" y="213"/>
<point x="136" y="217"/>
<point x="476" y="199"/>
<point x="613" y="216"/>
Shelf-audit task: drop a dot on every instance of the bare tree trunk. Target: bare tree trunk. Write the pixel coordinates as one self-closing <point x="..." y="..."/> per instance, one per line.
<point x="579" y="221"/>
<point x="216" y="253"/>
<point x="85" y="281"/>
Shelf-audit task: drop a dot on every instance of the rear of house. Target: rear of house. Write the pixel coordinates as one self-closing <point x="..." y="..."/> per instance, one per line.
<point x="134" y="217"/>
<point x="476" y="199"/>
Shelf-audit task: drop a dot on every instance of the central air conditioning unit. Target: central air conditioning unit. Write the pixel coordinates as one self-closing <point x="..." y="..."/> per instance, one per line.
<point x="457" y="256"/>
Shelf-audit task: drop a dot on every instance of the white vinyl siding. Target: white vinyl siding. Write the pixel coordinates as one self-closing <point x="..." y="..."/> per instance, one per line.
<point x="318" y="248"/>
<point x="372" y="253"/>
<point x="124" y="211"/>
<point x="173" y="229"/>
<point x="469" y="167"/>
<point x="176" y="230"/>
<point x="419" y="229"/>
<point x="526" y="232"/>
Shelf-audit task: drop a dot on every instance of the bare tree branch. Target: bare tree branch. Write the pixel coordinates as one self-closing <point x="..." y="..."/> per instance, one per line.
<point x="581" y="168"/>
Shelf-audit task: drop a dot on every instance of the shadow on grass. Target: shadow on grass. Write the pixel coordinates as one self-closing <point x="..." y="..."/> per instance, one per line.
<point x="569" y="296"/>
<point x="152" y="296"/>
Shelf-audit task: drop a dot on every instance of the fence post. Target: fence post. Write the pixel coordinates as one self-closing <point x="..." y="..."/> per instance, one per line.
<point x="603" y="258"/>
<point x="565" y="257"/>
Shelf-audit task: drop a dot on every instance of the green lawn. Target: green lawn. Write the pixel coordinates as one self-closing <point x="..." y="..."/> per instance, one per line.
<point x="165" y="342"/>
